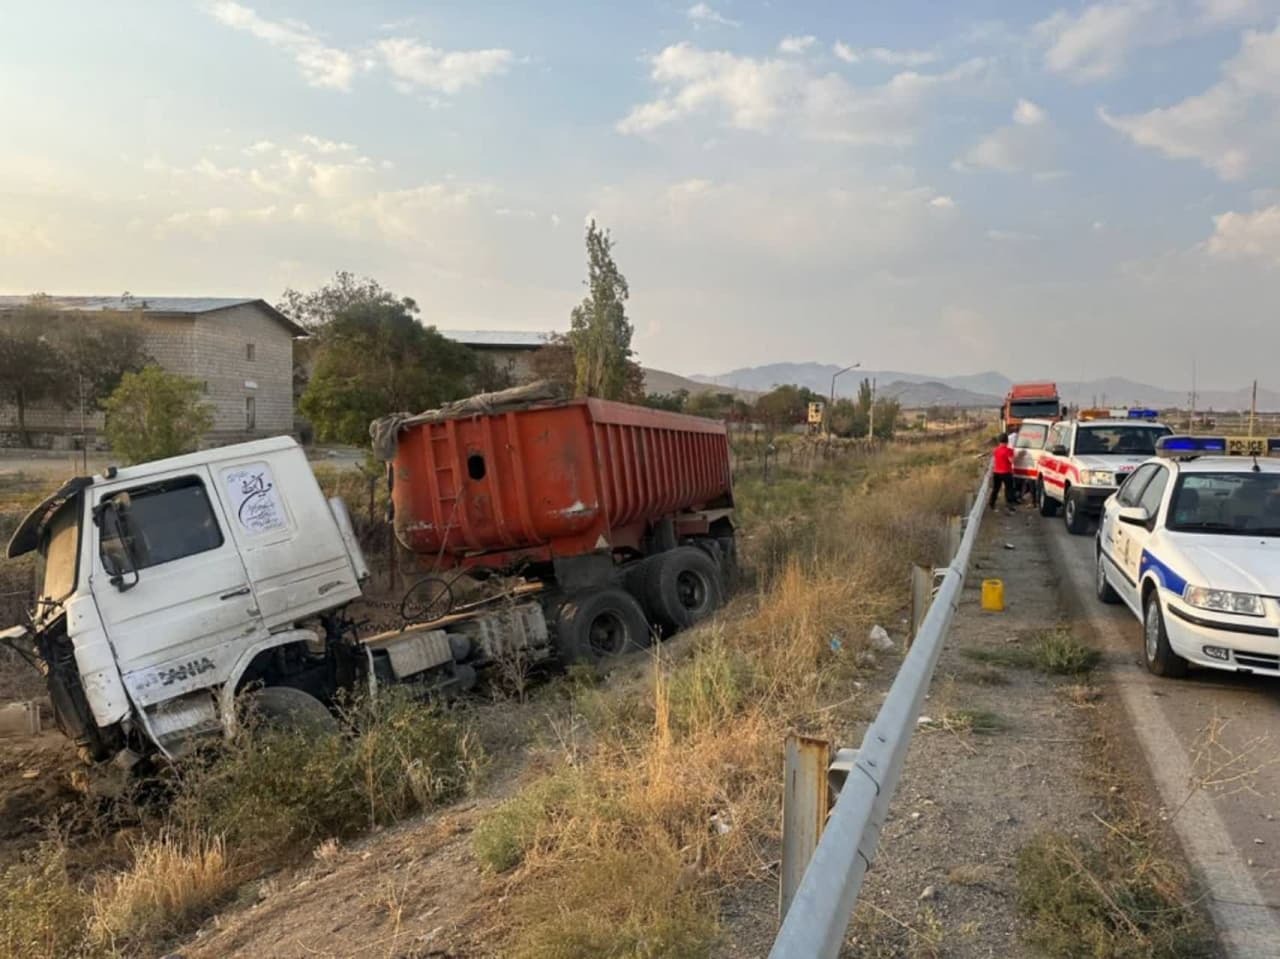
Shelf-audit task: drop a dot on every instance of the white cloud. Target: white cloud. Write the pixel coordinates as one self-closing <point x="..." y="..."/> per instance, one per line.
<point x="893" y="58"/>
<point x="416" y="66"/>
<point x="1025" y="146"/>
<point x="942" y="203"/>
<point x="321" y="65"/>
<point x="319" y="144"/>
<point x="1247" y="235"/>
<point x="1233" y="127"/>
<point x="767" y="94"/>
<point x="796" y="45"/>
<point x="702" y="14"/>
<point x="1028" y="114"/>
<point x="1096" y="42"/>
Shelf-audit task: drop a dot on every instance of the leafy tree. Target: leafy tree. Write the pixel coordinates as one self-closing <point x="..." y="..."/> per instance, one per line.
<point x="785" y="406"/>
<point x="31" y="366"/>
<point x="714" y="406"/>
<point x="51" y="355"/>
<point x="887" y="411"/>
<point x="317" y="309"/>
<point x="671" y="402"/>
<point x="600" y="332"/>
<point x="154" y="414"/>
<point x="373" y="358"/>
<point x="847" y="419"/>
<point x="554" y="362"/>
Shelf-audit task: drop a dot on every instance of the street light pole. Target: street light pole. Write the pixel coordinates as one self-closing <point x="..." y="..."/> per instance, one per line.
<point x="832" y="402"/>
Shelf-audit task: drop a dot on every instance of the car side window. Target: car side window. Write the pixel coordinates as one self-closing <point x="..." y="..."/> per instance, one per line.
<point x="1057" y="437"/>
<point x="160" y="522"/>
<point x="1154" y="493"/>
<point x="1132" y="490"/>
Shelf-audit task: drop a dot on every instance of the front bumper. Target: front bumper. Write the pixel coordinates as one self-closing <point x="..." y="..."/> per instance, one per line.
<point x="1089" y="499"/>
<point x="1240" y="643"/>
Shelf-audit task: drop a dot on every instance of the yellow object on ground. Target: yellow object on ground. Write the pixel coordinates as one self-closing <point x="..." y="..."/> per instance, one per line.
<point x="993" y="595"/>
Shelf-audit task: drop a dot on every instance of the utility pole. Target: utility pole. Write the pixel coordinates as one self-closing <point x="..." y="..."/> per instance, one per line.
<point x="1253" y="407"/>
<point x="1191" y="423"/>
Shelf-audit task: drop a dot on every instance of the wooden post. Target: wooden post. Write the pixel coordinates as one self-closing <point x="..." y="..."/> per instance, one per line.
<point x="921" y="596"/>
<point x="804" y="810"/>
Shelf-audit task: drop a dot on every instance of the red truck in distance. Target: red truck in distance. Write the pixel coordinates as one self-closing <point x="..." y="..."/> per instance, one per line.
<point x="1028" y="401"/>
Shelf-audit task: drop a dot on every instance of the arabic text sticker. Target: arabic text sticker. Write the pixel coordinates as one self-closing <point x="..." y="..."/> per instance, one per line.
<point x="252" y="493"/>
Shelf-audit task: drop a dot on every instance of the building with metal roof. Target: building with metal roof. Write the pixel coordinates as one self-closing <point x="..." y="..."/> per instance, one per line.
<point x="240" y="350"/>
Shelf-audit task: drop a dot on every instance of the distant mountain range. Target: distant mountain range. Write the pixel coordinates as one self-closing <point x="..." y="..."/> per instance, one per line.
<point x="976" y="390"/>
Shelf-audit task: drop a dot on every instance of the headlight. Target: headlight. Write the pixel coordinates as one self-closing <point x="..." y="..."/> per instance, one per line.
<point x="1097" y="478"/>
<point x="1223" y="601"/>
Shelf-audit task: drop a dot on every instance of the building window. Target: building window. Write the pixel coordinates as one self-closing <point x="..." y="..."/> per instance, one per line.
<point x="248" y="352"/>
<point x="250" y="413"/>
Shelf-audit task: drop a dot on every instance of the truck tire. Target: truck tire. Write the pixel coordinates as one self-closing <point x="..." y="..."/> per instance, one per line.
<point x="285" y="707"/>
<point x="1073" y="514"/>
<point x="1048" y="505"/>
<point x="682" y="587"/>
<point x="599" y="625"/>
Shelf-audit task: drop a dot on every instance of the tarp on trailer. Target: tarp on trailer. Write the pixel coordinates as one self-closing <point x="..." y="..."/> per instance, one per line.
<point x="385" y="430"/>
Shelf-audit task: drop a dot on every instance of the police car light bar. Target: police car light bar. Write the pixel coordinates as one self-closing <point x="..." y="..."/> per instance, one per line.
<point x="1191" y="446"/>
<point x="1142" y="414"/>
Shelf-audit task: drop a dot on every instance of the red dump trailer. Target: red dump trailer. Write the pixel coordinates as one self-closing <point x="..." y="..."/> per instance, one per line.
<point x="618" y="517"/>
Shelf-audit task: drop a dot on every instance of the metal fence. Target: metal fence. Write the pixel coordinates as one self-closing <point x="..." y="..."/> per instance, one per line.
<point x="820" y="911"/>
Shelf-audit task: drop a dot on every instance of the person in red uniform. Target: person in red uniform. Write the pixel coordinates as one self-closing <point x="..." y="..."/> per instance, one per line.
<point x="1002" y="471"/>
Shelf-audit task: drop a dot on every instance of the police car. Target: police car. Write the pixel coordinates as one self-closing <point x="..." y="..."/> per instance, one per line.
<point x="1086" y="460"/>
<point x="1191" y="544"/>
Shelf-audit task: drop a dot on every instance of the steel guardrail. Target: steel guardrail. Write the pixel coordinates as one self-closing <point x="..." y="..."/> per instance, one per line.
<point x="819" y="915"/>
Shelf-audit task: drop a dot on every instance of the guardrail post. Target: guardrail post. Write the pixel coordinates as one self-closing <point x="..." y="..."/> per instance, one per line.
<point x="955" y="530"/>
<point x="921" y="595"/>
<point x="804" y="810"/>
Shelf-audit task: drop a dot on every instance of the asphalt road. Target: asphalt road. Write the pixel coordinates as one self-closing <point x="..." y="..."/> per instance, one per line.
<point x="1212" y="742"/>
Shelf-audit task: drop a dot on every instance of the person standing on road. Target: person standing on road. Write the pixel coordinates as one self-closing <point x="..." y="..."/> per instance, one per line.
<point x="1002" y="471"/>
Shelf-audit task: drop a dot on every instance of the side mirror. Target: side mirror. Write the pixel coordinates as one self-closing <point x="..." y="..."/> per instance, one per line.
<point x="113" y="524"/>
<point x="1059" y="450"/>
<point x="1134" y="515"/>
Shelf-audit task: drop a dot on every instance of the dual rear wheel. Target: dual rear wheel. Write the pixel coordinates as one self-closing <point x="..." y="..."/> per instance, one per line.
<point x="660" y="595"/>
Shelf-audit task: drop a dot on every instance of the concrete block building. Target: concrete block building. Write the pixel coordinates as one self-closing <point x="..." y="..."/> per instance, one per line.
<point x="239" y="349"/>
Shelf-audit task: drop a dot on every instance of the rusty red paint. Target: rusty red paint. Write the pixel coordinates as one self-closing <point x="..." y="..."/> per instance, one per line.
<point x="559" y="480"/>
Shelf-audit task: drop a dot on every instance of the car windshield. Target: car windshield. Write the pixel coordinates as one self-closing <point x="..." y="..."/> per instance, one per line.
<point x="58" y="556"/>
<point x="1118" y="440"/>
<point x="1243" y="503"/>
<point x="1032" y="409"/>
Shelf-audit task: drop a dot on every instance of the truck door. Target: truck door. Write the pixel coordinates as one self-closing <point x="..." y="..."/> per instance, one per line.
<point x="170" y="585"/>
<point x="1053" y="464"/>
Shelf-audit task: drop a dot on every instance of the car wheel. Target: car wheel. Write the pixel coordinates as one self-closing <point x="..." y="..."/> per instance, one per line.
<point x="1076" y="519"/>
<point x="1048" y="505"/>
<point x="1160" y="657"/>
<point x="1106" y="592"/>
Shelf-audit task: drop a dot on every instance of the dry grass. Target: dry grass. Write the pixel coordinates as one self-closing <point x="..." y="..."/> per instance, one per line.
<point x="659" y="793"/>
<point x="174" y="881"/>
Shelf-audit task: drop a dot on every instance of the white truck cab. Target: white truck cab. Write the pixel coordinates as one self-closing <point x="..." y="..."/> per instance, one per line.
<point x="166" y="588"/>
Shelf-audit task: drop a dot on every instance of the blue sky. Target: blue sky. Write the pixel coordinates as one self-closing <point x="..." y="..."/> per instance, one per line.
<point x="1066" y="190"/>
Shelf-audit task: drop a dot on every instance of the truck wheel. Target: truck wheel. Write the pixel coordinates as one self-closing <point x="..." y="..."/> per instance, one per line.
<point x="1160" y="657"/>
<point x="285" y="707"/>
<point x="599" y="625"/>
<point x="1073" y="514"/>
<point x="682" y="587"/>
<point x="1048" y="505"/>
